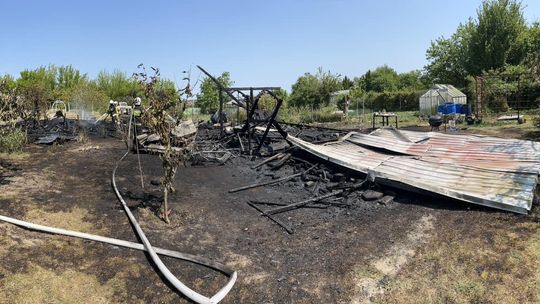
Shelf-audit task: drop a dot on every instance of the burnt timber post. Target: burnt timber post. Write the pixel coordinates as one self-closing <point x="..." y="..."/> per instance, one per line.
<point x="221" y="109"/>
<point x="250" y="103"/>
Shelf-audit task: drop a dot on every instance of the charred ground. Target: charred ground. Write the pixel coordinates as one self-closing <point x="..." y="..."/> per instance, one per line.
<point x="414" y="248"/>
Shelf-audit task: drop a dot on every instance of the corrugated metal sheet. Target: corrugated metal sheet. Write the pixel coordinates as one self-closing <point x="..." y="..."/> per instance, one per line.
<point x="500" y="173"/>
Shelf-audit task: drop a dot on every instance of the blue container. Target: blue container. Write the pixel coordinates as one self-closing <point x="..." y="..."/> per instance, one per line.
<point x="458" y="108"/>
<point x="441" y="109"/>
<point x="450" y="108"/>
<point x="465" y="109"/>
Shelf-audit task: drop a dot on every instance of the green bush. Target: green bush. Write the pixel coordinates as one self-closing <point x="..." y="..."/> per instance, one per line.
<point x="12" y="140"/>
<point x="404" y="100"/>
<point x="323" y="116"/>
<point x="307" y="115"/>
<point x="535" y="117"/>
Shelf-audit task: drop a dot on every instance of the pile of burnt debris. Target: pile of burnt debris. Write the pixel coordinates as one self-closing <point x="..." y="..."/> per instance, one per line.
<point x="327" y="185"/>
<point x="324" y="185"/>
<point x="262" y="135"/>
<point x="485" y="171"/>
<point x="59" y="129"/>
<point x="49" y="131"/>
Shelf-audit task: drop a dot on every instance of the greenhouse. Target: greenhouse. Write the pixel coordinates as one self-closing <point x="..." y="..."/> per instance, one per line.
<point x="440" y="94"/>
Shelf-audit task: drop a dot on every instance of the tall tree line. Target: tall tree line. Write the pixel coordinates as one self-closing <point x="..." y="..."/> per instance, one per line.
<point x="498" y="43"/>
<point x="41" y="86"/>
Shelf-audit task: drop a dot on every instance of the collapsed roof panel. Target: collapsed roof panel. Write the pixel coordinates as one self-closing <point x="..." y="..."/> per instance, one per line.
<point x="494" y="172"/>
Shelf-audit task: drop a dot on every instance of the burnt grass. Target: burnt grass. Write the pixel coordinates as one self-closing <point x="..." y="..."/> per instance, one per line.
<point x="312" y="265"/>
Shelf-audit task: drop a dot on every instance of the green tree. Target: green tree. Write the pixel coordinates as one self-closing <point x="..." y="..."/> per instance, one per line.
<point x="305" y="91"/>
<point x="412" y="80"/>
<point x="118" y="86"/>
<point x="67" y="79"/>
<point x="495" y="40"/>
<point x="8" y="83"/>
<point x="36" y="87"/>
<point x="382" y="79"/>
<point x="346" y="83"/>
<point x="448" y="58"/>
<point x="504" y="82"/>
<point x="11" y="107"/>
<point x="314" y="90"/>
<point x="267" y="102"/>
<point x="532" y="59"/>
<point x="162" y="100"/>
<point x="89" y="97"/>
<point x="208" y="98"/>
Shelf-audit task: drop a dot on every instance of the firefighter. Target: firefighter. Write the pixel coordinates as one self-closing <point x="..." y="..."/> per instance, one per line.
<point x="137" y="118"/>
<point x="112" y="110"/>
<point x="137" y="108"/>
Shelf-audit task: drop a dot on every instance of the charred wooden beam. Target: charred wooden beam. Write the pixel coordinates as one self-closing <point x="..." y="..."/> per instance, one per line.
<point x="273" y="219"/>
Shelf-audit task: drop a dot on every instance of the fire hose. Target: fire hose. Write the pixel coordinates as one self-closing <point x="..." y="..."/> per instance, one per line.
<point x="145" y="246"/>
<point x="127" y="244"/>
<point x="193" y="295"/>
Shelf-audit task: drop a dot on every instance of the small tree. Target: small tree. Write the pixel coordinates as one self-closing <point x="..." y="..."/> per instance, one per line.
<point x="11" y="106"/>
<point x="11" y="109"/>
<point x="208" y="98"/>
<point x="36" y="87"/>
<point x="314" y="89"/>
<point x="161" y="102"/>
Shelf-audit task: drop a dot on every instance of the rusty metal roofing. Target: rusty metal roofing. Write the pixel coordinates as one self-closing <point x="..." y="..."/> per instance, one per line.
<point x="489" y="171"/>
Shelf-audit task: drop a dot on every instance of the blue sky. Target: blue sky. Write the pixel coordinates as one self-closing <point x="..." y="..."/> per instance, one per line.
<point x="259" y="42"/>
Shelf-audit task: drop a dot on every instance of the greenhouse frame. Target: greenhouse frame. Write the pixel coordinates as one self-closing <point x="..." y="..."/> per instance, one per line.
<point x="440" y="94"/>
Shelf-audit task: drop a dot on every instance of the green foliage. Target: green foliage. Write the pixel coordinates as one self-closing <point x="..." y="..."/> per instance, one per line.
<point x="305" y="91"/>
<point x="267" y="102"/>
<point x="347" y="83"/>
<point x="162" y="101"/>
<point x="386" y="79"/>
<point x="7" y="82"/>
<point x="532" y="58"/>
<point x="449" y="58"/>
<point x="499" y="36"/>
<point x="504" y="82"/>
<point x="341" y="101"/>
<point x="498" y="44"/>
<point x="117" y="85"/>
<point x="88" y="96"/>
<point x="281" y="93"/>
<point x="536" y="117"/>
<point x="12" y="140"/>
<point x="402" y="100"/>
<point x="67" y="79"/>
<point x="307" y="115"/>
<point x="208" y="98"/>
<point x="11" y="107"/>
<point x="314" y="90"/>
<point x="44" y="76"/>
<point x="382" y="79"/>
<point x="413" y="80"/>
<point x="36" y="87"/>
<point x="495" y="40"/>
<point x="41" y="86"/>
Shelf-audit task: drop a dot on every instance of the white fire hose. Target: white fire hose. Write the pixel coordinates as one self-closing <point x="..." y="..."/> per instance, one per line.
<point x="145" y="246"/>
<point x="188" y="292"/>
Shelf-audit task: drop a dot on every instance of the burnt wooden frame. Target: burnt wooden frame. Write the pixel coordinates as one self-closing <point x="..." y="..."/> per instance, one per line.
<point x="251" y="104"/>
